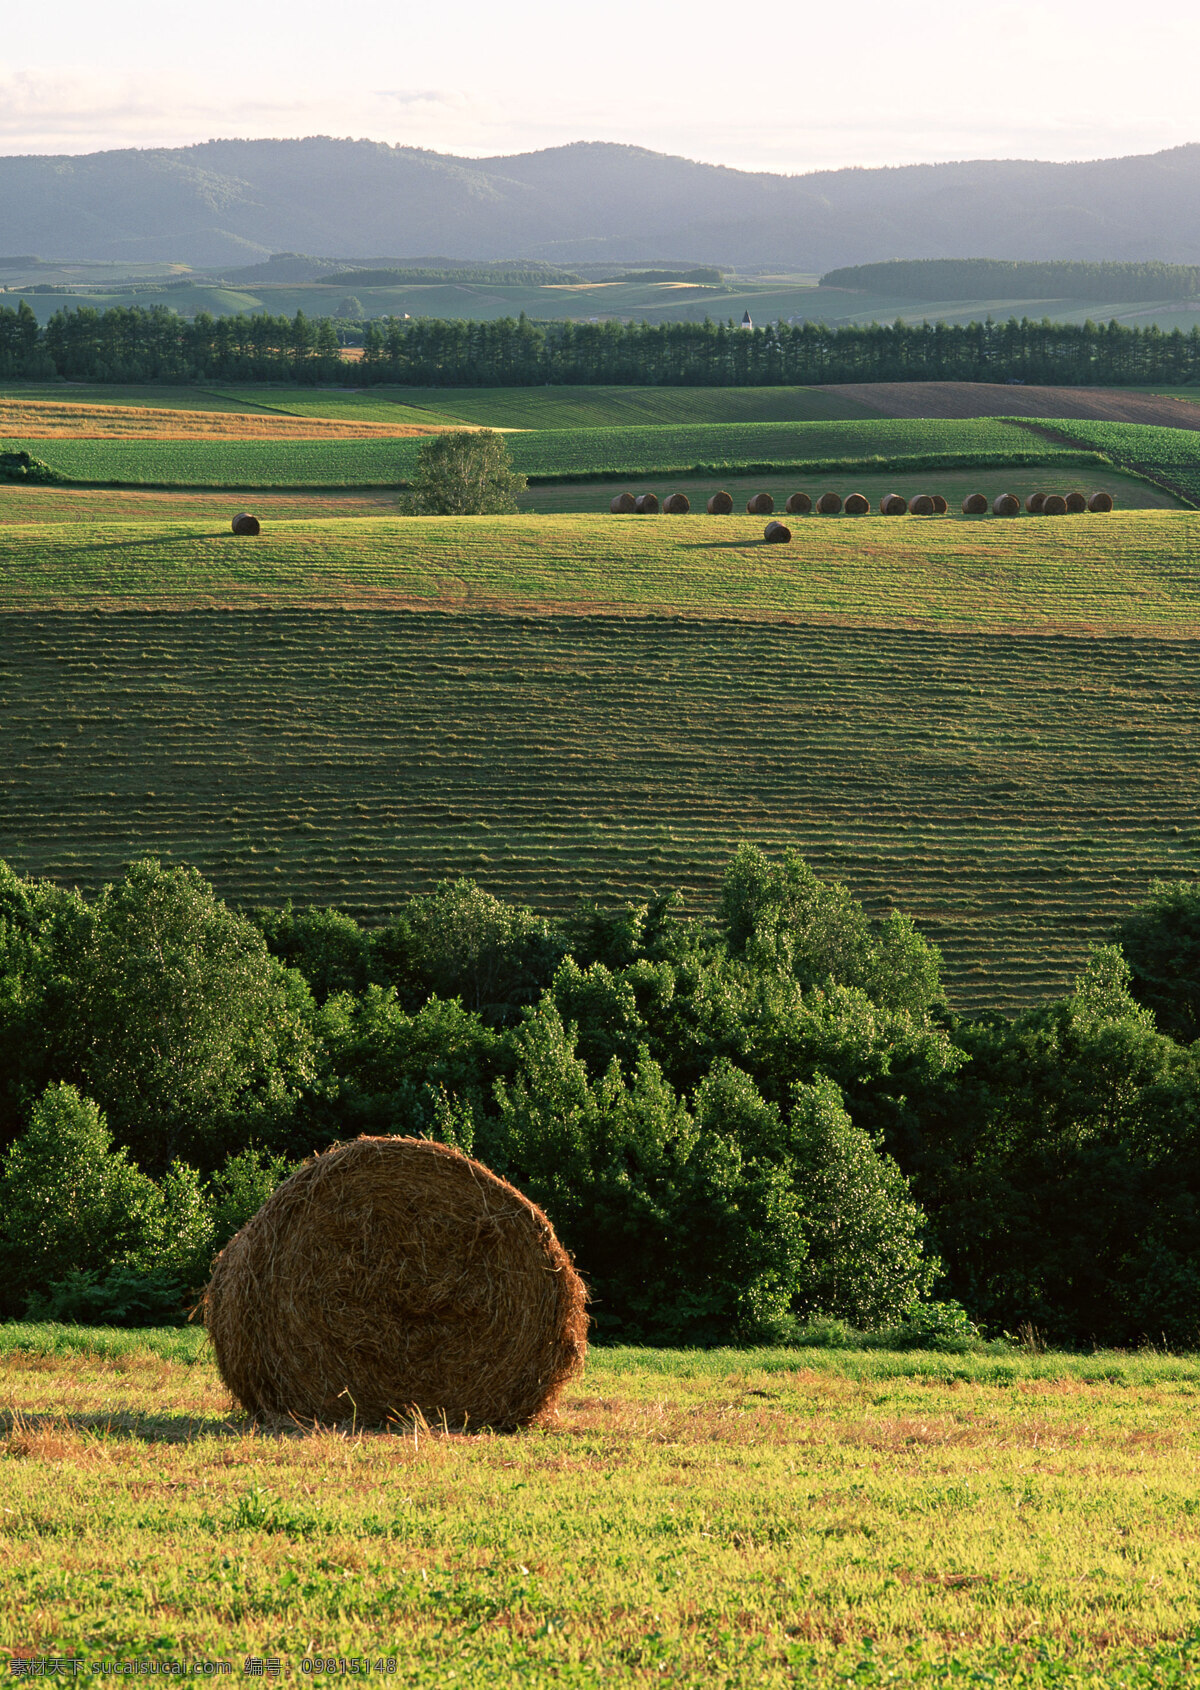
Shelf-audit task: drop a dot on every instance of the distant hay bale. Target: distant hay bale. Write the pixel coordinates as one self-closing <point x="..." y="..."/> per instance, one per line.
<point x="676" y="504"/>
<point x="1099" y="503"/>
<point x="777" y="533"/>
<point x="921" y="504"/>
<point x="1034" y="503"/>
<point x="1054" y="505"/>
<point x="800" y="504"/>
<point x="1006" y="504"/>
<point x="856" y="505"/>
<point x="975" y="504"/>
<point x="244" y="523"/>
<point x="1076" y="502"/>
<point x="391" y="1275"/>
<point x="829" y="504"/>
<point x="721" y="504"/>
<point x="940" y="505"/>
<point x="762" y="504"/>
<point x="893" y="504"/>
<point x="646" y="504"/>
<point x="623" y="505"/>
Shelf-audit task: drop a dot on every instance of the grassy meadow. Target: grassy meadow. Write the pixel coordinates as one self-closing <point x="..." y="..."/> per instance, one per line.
<point x="749" y="1519"/>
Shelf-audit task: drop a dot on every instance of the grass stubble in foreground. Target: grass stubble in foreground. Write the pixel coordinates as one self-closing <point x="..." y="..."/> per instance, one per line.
<point x="752" y="1518"/>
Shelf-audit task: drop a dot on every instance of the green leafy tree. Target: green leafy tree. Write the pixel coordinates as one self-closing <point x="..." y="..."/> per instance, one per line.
<point x="1161" y="940"/>
<point x="463" y="472"/>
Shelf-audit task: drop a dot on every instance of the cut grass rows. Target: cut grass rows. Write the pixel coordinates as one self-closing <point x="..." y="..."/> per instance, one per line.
<point x="1012" y="795"/>
<point x="45" y="420"/>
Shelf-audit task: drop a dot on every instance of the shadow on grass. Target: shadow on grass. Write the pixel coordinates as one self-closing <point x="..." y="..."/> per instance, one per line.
<point x="157" y="540"/>
<point x="728" y="545"/>
<point x="16" y="1426"/>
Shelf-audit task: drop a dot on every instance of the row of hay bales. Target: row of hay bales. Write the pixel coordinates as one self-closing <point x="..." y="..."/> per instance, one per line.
<point x="857" y="504"/>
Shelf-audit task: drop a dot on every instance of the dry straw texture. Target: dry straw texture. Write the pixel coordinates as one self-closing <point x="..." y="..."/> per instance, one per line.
<point x="777" y="533"/>
<point x="244" y="523"/>
<point x="1034" y="503"/>
<point x="721" y="504"/>
<point x="829" y="504"/>
<point x="800" y="504"/>
<point x="895" y="504"/>
<point x="1006" y="504"/>
<point x="392" y="1275"/>
<point x="42" y="419"/>
<point x="762" y="504"/>
<point x="921" y="504"/>
<point x="646" y="504"/>
<point x="1054" y="505"/>
<point x="1076" y="502"/>
<point x="975" y="504"/>
<point x="1100" y="503"/>
<point x="623" y="505"/>
<point x="940" y="504"/>
<point x="857" y="505"/>
<point x="676" y="504"/>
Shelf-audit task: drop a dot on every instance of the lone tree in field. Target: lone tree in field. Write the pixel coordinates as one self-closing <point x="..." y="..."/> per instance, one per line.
<point x="464" y="472"/>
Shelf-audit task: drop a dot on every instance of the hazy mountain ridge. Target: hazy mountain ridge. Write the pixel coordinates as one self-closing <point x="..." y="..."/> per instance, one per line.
<point x="226" y="202"/>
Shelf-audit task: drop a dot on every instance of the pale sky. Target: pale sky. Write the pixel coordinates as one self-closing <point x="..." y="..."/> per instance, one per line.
<point x="781" y="85"/>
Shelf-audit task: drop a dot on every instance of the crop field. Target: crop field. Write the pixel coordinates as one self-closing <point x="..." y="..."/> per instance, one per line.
<point x="43" y="419"/>
<point x="743" y="1518"/>
<point x="117" y="393"/>
<point x="1168" y="454"/>
<point x="1012" y="794"/>
<point x="22" y="504"/>
<point x="562" y="454"/>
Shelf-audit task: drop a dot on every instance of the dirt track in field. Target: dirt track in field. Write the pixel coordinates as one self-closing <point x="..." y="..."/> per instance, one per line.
<point x="995" y="399"/>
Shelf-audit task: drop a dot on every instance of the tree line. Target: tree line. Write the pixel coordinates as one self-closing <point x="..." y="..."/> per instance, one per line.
<point x="1002" y="278"/>
<point x="738" y="1124"/>
<point x="135" y="344"/>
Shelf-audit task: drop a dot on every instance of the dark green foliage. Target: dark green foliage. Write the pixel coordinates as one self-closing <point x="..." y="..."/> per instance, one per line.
<point x="123" y="1296"/>
<point x="1161" y="940"/>
<point x="20" y="466"/>
<point x="463" y="472"/>
<point x="1001" y="278"/>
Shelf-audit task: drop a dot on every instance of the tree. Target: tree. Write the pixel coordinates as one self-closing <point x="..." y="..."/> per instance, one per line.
<point x="463" y="472"/>
<point x="1161" y="939"/>
<point x="352" y="307"/>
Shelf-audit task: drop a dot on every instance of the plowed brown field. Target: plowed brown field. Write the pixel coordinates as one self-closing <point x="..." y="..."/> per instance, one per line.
<point x="995" y="399"/>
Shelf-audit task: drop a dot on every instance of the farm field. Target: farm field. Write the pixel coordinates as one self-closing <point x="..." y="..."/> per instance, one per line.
<point x="1160" y="408"/>
<point x="23" y="504"/>
<point x="747" y="1518"/>
<point x="187" y="398"/>
<point x="1171" y="454"/>
<point x="1013" y="795"/>
<point x="41" y="419"/>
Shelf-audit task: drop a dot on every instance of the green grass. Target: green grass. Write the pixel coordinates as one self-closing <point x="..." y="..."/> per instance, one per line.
<point x="101" y="393"/>
<point x="563" y="453"/>
<point x="1014" y="795"/>
<point x="1171" y="455"/>
<point x="750" y="1519"/>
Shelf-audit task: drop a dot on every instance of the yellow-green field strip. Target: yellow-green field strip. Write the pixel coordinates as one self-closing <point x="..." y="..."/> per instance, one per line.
<point x="1129" y="573"/>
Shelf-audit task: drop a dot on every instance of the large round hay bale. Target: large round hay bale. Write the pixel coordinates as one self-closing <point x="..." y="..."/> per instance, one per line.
<point x="1054" y="505"/>
<point x="940" y="504"/>
<point x="1034" y="503"/>
<point x="676" y="504"/>
<point x="921" y="504"/>
<point x="800" y="504"/>
<point x="856" y="505"/>
<point x="244" y="523"/>
<point x="777" y="533"/>
<point x="623" y="505"/>
<point x="893" y="504"/>
<point x="829" y="504"/>
<point x="1006" y="504"/>
<point x="1076" y="502"/>
<point x="762" y="504"/>
<point x="1100" y="503"/>
<point x="975" y="504"/>
<point x="721" y="504"/>
<point x="646" y="504"/>
<point x="391" y="1275"/>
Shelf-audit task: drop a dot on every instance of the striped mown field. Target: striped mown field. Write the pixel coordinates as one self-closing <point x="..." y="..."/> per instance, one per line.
<point x="40" y="419"/>
<point x="1012" y="794"/>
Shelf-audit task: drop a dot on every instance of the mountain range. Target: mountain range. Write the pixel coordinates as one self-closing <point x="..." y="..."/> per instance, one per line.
<point x="224" y="203"/>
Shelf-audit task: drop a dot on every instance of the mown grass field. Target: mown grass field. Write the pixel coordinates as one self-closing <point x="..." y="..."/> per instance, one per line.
<point x="748" y="1519"/>
<point x="38" y="419"/>
<point x="1013" y="795"/>
<point x="561" y="453"/>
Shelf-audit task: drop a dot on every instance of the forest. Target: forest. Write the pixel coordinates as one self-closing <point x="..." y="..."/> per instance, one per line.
<point x="738" y="1124"/>
<point x="133" y="344"/>
<point x="1002" y="278"/>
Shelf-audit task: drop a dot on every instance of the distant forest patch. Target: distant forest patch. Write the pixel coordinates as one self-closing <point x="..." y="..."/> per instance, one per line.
<point x="994" y="278"/>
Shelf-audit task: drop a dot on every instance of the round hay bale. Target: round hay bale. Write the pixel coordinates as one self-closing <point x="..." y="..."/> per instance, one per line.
<point x="1054" y="505"/>
<point x="721" y="504"/>
<point x="1034" y="503"/>
<point x="829" y="504"/>
<point x="762" y="504"/>
<point x="244" y="523"/>
<point x="1006" y="504"/>
<point x="777" y="533"/>
<point x="940" y="505"/>
<point x="975" y="504"/>
<point x="893" y="504"/>
<point x="800" y="504"/>
<point x="920" y="505"/>
<point x="676" y="504"/>
<point x="1100" y="503"/>
<point x="1076" y="502"/>
<point x="646" y="504"/>
<point x="623" y="505"/>
<point x="856" y="505"/>
<point x="391" y="1275"/>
